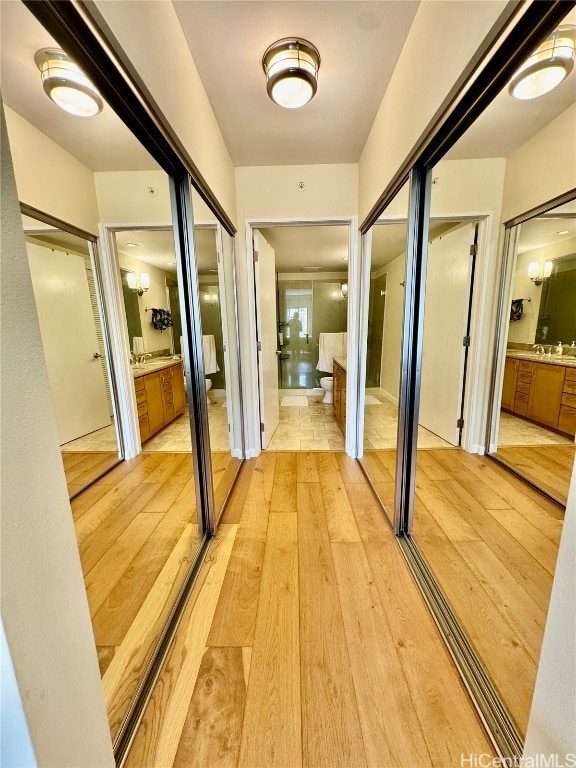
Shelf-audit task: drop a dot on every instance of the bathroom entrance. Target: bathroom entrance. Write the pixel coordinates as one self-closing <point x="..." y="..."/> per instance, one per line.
<point x="301" y="279"/>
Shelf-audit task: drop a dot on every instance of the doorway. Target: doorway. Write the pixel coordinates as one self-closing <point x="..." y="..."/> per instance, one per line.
<point x="67" y="295"/>
<point x="301" y="292"/>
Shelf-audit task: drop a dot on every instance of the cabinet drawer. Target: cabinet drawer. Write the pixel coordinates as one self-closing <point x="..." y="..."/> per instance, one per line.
<point x="523" y="387"/>
<point x="570" y="386"/>
<point x="144" y="425"/>
<point x="142" y="408"/>
<point x="525" y="377"/>
<point x="567" y="420"/>
<point x="166" y="383"/>
<point x="569" y="400"/>
<point x="571" y="374"/>
<point x="139" y="383"/>
<point x="141" y="395"/>
<point x="521" y="403"/>
<point x="526" y="365"/>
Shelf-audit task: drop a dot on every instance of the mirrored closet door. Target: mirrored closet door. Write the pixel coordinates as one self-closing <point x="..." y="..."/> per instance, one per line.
<point x="139" y="527"/>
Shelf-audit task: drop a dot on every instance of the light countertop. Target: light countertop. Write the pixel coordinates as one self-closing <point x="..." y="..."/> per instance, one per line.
<point x="341" y="361"/>
<point x="567" y="360"/>
<point x="153" y="365"/>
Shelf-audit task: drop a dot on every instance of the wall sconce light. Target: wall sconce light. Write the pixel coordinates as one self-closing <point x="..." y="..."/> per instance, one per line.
<point x="342" y="294"/>
<point x="291" y="66"/>
<point x="211" y="298"/>
<point x="133" y="282"/>
<point x="547" y="67"/>
<point x="66" y="84"/>
<point x="536" y="274"/>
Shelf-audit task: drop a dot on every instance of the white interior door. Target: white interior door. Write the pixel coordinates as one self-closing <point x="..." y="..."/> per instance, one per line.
<point x="69" y="338"/>
<point x="445" y="322"/>
<point x="267" y="334"/>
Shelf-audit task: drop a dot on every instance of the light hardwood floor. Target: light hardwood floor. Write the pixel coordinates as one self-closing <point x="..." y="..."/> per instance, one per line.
<point x="306" y="641"/>
<point x="492" y="543"/>
<point x="137" y="534"/>
<point x="549" y="466"/>
<point x="82" y="468"/>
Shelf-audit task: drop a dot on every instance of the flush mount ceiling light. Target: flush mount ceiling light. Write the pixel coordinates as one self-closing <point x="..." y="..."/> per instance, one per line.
<point x="291" y="66"/>
<point x="547" y="67"/>
<point x="66" y="84"/>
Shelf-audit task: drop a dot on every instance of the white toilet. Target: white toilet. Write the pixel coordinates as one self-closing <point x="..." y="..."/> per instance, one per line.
<point x="208" y="388"/>
<point x="326" y="382"/>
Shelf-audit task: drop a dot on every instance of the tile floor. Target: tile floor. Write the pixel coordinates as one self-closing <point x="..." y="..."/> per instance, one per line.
<point x="175" y="437"/>
<point x="381" y="425"/>
<point x="516" y="431"/>
<point x="102" y="440"/>
<point x="310" y="427"/>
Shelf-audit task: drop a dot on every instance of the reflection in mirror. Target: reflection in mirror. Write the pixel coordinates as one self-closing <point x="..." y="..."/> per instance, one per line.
<point x="383" y="355"/>
<point x="536" y="423"/>
<point x="489" y="538"/>
<point x="136" y="526"/>
<point x="216" y="278"/>
<point x="69" y="313"/>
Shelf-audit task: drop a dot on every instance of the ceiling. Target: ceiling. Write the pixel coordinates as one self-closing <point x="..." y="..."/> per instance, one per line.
<point x="389" y="239"/>
<point x="156" y="247"/>
<point x="508" y="123"/>
<point x="359" y="44"/>
<point x="227" y="39"/>
<point x="53" y="236"/>
<point x="325" y="247"/>
<point x="545" y="230"/>
<point x="103" y="143"/>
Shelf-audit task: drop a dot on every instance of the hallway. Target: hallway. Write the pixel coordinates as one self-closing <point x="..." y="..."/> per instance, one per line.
<point x="306" y="641"/>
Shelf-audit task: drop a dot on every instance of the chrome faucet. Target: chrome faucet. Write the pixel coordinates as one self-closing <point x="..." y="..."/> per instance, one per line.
<point x="539" y="349"/>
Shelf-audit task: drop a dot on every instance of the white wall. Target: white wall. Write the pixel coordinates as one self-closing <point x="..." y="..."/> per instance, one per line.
<point x="273" y="192"/>
<point x="155" y="297"/>
<point x="49" y="178"/>
<point x="552" y="722"/>
<point x="542" y="168"/>
<point x="123" y="197"/>
<point x="524" y="330"/>
<point x="442" y="40"/>
<point x="151" y="35"/>
<point x="392" y="336"/>
<point x="44" y="605"/>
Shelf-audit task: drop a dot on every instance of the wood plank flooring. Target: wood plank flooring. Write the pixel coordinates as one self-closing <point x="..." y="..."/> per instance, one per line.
<point x="137" y="534"/>
<point x="81" y="468"/>
<point x="492" y="543"/>
<point x="549" y="466"/>
<point x="306" y="641"/>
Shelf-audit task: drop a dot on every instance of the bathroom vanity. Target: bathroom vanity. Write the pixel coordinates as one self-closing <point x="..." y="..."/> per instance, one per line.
<point x="541" y="390"/>
<point x="160" y="395"/>
<point x="339" y="391"/>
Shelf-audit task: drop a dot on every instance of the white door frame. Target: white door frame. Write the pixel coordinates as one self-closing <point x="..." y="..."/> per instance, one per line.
<point x="480" y="352"/>
<point x="249" y="353"/>
<point x="120" y="352"/>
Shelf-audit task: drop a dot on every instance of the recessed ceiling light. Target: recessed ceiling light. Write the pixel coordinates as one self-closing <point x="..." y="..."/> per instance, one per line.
<point x="132" y="245"/>
<point x="547" y="67"/>
<point x="66" y="85"/>
<point x="291" y="66"/>
<point x="563" y="232"/>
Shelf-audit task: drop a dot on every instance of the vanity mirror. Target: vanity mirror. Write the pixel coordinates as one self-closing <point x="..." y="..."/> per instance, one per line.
<point x="534" y="409"/>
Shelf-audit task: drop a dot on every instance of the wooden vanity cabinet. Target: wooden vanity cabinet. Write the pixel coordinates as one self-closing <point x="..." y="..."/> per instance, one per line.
<point x="509" y="384"/>
<point x="160" y="399"/>
<point x="544" y="393"/>
<point x="339" y="395"/>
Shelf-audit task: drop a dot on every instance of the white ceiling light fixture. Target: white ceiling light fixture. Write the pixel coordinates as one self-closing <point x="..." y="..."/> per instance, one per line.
<point x="66" y="84"/>
<point x="291" y="66"/>
<point x="547" y="67"/>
